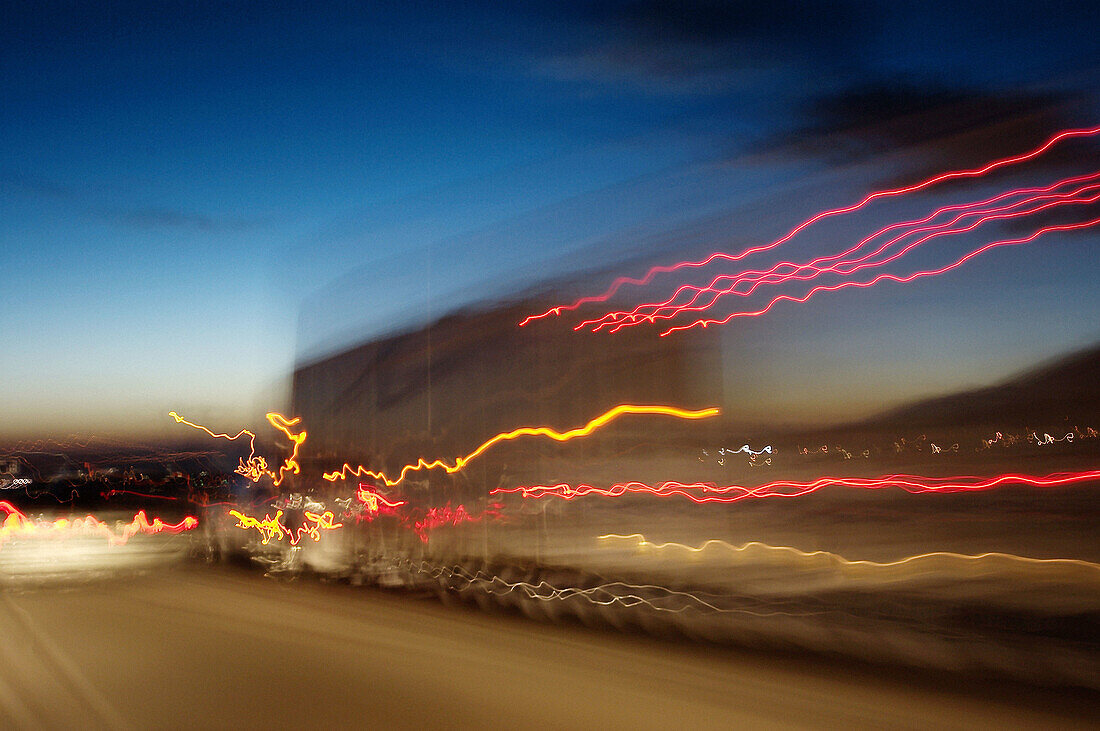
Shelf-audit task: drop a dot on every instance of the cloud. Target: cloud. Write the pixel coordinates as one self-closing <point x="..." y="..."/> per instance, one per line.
<point x="698" y="46"/>
<point x="949" y="128"/>
<point x="953" y="126"/>
<point x="143" y="217"/>
<point x="20" y="184"/>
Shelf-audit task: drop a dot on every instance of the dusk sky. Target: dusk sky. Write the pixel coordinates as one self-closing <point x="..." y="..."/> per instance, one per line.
<point x="195" y="196"/>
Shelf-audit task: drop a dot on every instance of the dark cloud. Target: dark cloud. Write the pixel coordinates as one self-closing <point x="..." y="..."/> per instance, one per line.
<point x="20" y="184"/>
<point x="699" y="46"/>
<point x="947" y="129"/>
<point x="956" y="126"/>
<point x="139" y="217"/>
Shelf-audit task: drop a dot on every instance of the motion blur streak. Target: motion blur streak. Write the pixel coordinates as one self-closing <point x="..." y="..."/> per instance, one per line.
<point x="441" y="516"/>
<point x="661" y="598"/>
<point x="255" y="466"/>
<point x="717" y="256"/>
<point x="446" y="515"/>
<point x="18" y="525"/>
<point x="702" y="492"/>
<point x="886" y="277"/>
<point x="581" y="431"/>
<point x="943" y="559"/>
<point x="652" y="311"/>
<point x="273" y="528"/>
<point x="108" y="494"/>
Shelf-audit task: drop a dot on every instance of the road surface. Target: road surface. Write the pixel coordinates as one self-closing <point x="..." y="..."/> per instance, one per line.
<point x="220" y="648"/>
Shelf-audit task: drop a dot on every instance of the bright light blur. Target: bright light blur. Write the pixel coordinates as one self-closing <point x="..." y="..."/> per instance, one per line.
<point x="617" y="364"/>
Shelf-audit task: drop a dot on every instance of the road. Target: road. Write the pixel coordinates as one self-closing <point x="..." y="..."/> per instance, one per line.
<point x="220" y="648"/>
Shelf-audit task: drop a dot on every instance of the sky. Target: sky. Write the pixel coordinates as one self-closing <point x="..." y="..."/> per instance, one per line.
<point x="196" y="196"/>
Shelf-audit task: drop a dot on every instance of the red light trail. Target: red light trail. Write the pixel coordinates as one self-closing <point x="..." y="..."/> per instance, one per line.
<point x="375" y="502"/>
<point x="703" y="492"/>
<point x="422" y="522"/>
<point x="17" y="525"/>
<point x="437" y="517"/>
<point x="108" y="494"/>
<point x="446" y="515"/>
<point x="651" y="312"/>
<point x="658" y="310"/>
<point x="883" y="277"/>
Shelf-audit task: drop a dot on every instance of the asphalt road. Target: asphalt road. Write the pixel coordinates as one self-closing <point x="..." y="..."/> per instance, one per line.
<point x="217" y="648"/>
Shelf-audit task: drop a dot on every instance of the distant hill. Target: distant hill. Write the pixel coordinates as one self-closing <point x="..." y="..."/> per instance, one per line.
<point x="1065" y="389"/>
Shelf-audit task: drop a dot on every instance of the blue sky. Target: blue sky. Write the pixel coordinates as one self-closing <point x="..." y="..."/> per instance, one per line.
<point x="181" y="183"/>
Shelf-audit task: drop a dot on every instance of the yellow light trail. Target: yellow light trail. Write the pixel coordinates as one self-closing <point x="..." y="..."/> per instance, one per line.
<point x="273" y="528"/>
<point x="527" y="431"/>
<point x="255" y="466"/>
<point x="268" y="527"/>
<point x="643" y="542"/>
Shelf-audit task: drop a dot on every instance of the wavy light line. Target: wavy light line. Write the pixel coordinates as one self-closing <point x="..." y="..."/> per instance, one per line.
<point x="608" y="594"/>
<point x="642" y="542"/>
<point x="374" y="501"/>
<point x="650" y="312"/>
<point x="180" y="420"/>
<point x="580" y="431"/>
<point x="255" y="467"/>
<point x="108" y="494"/>
<point x="273" y="528"/>
<point x="854" y="265"/>
<point x="557" y="310"/>
<point x="883" y="277"/>
<point x="747" y="275"/>
<point x="703" y="492"/>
